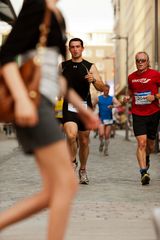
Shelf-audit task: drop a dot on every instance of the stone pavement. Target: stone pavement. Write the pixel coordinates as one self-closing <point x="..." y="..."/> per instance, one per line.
<point x="114" y="206"/>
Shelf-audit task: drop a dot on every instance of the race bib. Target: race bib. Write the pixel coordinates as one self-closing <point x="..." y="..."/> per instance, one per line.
<point x="140" y="98"/>
<point x="71" y="108"/>
<point x="107" y="121"/>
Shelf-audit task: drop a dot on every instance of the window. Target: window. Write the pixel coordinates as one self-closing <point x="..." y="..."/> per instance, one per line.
<point x="100" y="53"/>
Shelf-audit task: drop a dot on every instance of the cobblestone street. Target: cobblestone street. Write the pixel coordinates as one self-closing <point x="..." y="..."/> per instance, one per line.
<point x="114" y="206"/>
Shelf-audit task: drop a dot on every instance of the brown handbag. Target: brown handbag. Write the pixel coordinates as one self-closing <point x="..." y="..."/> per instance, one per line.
<point x="30" y="72"/>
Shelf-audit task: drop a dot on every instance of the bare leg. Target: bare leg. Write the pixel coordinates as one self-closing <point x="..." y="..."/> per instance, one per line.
<point x="71" y="131"/>
<point x="107" y="131"/>
<point x="101" y="132"/>
<point x="150" y="149"/>
<point x="101" y="136"/>
<point x="23" y="209"/>
<point x="141" y="150"/>
<point x="107" y="137"/>
<point x="55" y="168"/>
<point x="83" y="148"/>
<point x="150" y="146"/>
<point x="27" y="207"/>
<point x="63" y="185"/>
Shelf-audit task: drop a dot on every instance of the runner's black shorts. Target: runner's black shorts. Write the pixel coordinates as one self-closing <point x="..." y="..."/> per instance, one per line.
<point x="73" y="117"/>
<point x="146" y="125"/>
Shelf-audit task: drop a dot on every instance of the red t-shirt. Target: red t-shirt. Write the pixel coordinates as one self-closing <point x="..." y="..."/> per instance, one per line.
<point x="141" y="85"/>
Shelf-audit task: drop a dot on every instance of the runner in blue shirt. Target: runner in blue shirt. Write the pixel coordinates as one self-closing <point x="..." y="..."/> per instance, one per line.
<point x="105" y="104"/>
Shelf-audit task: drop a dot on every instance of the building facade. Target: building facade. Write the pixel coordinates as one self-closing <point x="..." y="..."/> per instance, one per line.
<point x="136" y="29"/>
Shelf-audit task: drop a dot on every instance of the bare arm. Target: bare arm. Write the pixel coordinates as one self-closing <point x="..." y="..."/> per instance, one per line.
<point x="94" y="78"/>
<point x="128" y="96"/>
<point x="95" y="103"/>
<point x="51" y="4"/>
<point x="116" y="102"/>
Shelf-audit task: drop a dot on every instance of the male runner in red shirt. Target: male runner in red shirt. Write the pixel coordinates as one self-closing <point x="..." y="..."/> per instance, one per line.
<point x="143" y="89"/>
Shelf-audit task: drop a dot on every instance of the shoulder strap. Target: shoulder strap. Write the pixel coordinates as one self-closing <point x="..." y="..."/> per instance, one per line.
<point x="87" y="65"/>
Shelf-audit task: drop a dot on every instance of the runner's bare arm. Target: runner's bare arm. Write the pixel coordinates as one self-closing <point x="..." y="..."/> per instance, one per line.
<point x="94" y="78"/>
<point x="127" y="97"/>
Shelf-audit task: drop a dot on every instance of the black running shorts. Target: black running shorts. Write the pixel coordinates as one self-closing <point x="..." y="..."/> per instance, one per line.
<point x="146" y="125"/>
<point x="73" y="117"/>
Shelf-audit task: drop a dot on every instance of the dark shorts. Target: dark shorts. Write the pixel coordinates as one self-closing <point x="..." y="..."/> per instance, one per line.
<point x="73" y="117"/>
<point x="47" y="130"/>
<point x="146" y="125"/>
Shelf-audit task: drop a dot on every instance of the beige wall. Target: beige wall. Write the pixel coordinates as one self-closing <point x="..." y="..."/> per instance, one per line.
<point x="98" y="56"/>
<point x="105" y="66"/>
<point x="135" y="19"/>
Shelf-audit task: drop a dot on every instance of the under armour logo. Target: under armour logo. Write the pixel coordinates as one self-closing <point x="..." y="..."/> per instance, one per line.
<point x="74" y="66"/>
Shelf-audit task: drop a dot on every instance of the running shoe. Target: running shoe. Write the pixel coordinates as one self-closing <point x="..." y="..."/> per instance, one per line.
<point x="101" y="147"/>
<point x="145" y="178"/>
<point x="156" y="221"/>
<point x="75" y="164"/>
<point x="83" y="179"/>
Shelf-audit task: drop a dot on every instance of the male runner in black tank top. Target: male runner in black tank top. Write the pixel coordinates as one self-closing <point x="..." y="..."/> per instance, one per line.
<point x="79" y="74"/>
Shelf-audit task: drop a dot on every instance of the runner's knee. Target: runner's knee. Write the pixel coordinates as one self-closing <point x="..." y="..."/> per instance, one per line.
<point x="142" y="144"/>
<point x="72" y="137"/>
<point x="84" y="141"/>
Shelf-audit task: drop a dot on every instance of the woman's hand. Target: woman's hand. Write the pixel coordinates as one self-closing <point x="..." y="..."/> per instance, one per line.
<point x="25" y="113"/>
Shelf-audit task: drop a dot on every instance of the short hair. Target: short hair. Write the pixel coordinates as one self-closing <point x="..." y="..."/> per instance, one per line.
<point x="146" y="56"/>
<point x="106" y="85"/>
<point x="143" y="53"/>
<point x="76" y="40"/>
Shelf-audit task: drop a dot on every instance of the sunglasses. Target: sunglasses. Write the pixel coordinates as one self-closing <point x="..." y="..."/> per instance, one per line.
<point x="141" y="60"/>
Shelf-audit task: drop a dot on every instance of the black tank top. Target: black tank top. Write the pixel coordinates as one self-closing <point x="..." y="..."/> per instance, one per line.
<point x="75" y="74"/>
